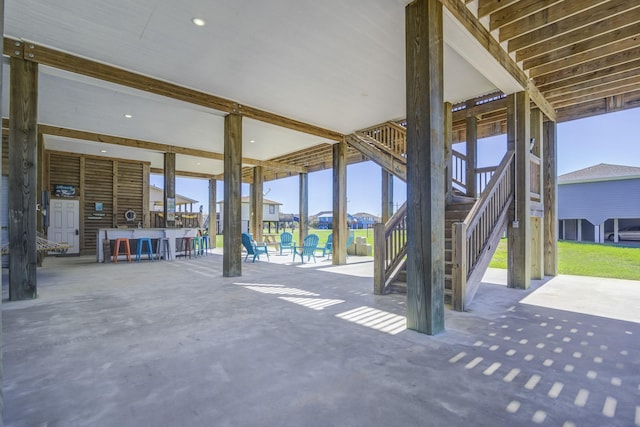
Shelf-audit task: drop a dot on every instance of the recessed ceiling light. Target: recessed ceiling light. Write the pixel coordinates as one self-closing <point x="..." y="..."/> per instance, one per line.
<point x="198" y="21"/>
<point x="197" y="163"/>
<point x="252" y="141"/>
<point x="103" y="151"/>
<point x="128" y="116"/>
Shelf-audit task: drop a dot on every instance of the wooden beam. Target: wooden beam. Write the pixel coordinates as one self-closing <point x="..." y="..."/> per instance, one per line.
<point x="598" y="77"/>
<point x="519" y="227"/>
<point x="448" y="152"/>
<point x="491" y="45"/>
<point x="561" y="17"/>
<point x="387" y="195"/>
<point x="472" y="156"/>
<point x="576" y="36"/>
<point x="537" y="223"/>
<point x="146" y="214"/>
<point x="169" y="192"/>
<point x="550" y="190"/>
<point x="232" y="207"/>
<point x="340" y="230"/>
<point x="213" y="220"/>
<point x="578" y="22"/>
<point x="616" y="59"/>
<point x="609" y="43"/>
<point x="602" y="91"/>
<point x="517" y="11"/>
<point x="156" y="146"/>
<point x="425" y="164"/>
<point x="109" y="73"/>
<point x="23" y="142"/>
<point x="186" y="174"/>
<point x="257" y="202"/>
<point x="486" y="7"/>
<point x="303" y="189"/>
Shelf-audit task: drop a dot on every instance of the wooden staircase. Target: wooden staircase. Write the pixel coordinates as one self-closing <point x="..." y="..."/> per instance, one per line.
<point x="472" y="227"/>
<point x="455" y="211"/>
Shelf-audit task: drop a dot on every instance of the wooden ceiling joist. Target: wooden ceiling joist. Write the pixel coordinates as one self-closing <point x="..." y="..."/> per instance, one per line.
<point x="518" y="11"/>
<point x="595" y="78"/>
<point x="576" y="36"/>
<point x="481" y="34"/>
<point x="159" y="147"/>
<point x="559" y="12"/>
<point x="587" y="50"/>
<point x="75" y="64"/>
<point x="614" y="60"/>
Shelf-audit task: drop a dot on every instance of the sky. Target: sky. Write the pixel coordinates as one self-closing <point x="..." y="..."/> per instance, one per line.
<point x="610" y="138"/>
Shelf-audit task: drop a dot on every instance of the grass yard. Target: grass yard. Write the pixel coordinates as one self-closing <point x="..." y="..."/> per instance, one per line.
<point x="322" y="234"/>
<point x="587" y="259"/>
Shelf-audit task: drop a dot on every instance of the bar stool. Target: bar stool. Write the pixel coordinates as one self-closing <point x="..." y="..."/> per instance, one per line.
<point x="205" y="244"/>
<point x="197" y="245"/>
<point x="165" y="245"/>
<point x="188" y="244"/>
<point x="141" y="242"/>
<point x="127" y="249"/>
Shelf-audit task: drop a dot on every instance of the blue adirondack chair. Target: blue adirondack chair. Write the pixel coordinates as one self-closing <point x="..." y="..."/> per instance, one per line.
<point x="328" y="246"/>
<point x="349" y="243"/>
<point x="308" y="248"/>
<point x="286" y="241"/>
<point x="253" y="248"/>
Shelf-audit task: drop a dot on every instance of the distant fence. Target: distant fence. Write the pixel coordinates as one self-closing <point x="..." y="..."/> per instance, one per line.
<point x="183" y="220"/>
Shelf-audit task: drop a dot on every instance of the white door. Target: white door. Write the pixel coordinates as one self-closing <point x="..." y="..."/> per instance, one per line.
<point x="64" y="224"/>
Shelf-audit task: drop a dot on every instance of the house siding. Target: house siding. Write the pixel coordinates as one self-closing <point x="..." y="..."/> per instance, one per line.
<point x="599" y="201"/>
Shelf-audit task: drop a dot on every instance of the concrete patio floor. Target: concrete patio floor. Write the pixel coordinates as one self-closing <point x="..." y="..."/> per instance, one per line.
<point x="176" y="344"/>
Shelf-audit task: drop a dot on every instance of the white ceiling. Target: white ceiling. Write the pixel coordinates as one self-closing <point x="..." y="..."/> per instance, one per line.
<point x="331" y="63"/>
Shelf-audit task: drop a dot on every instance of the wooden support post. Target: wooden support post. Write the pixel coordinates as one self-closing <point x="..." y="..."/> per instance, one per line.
<point x="213" y="218"/>
<point x="257" y="200"/>
<point x="232" y="210"/>
<point x="379" y="258"/>
<point x="339" y="221"/>
<point x="146" y="214"/>
<point x="448" y="151"/>
<point x="2" y="89"/>
<point x="616" y="227"/>
<point x="537" y="222"/>
<point x="519" y="227"/>
<point x="425" y="167"/>
<point x="39" y="188"/>
<point x="169" y="190"/>
<point x="303" y="207"/>
<point x="387" y="196"/>
<point x="23" y="142"/>
<point x="472" y="156"/>
<point x="550" y="189"/>
<point x="114" y="194"/>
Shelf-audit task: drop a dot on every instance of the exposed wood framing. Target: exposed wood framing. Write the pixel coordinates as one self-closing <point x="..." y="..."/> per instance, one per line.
<point x="425" y="166"/>
<point x="460" y="11"/>
<point x="169" y="191"/>
<point x="232" y="207"/>
<point x="519" y="227"/>
<point x="23" y="142"/>
<point x="75" y="64"/>
<point x="550" y="189"/>
<point x="339" y="203"/>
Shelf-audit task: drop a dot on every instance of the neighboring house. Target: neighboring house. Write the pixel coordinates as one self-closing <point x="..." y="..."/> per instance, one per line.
<point x="324" y="220"/>
<point x="597" y="201"/>
<point x="365" y="220"/>
<point x="156" y="201"/>
<point x="270" y="212"/>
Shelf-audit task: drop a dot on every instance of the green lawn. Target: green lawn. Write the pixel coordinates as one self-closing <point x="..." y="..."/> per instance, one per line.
<point x="587" y="259"/>
<point x="322" y="234"/>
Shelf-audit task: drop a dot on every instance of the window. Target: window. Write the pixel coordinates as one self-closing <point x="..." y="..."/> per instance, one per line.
<point x="272" y="209"/>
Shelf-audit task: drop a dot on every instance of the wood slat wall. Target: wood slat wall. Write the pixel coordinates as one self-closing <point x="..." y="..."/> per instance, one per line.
<point x="94" y="179"/>
<point x="129" y="192"/>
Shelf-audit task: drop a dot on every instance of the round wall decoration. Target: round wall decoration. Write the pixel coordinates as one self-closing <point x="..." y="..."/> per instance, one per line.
<point x="130" y="215"/>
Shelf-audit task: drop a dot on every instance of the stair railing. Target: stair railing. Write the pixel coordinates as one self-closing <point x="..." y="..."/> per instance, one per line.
<point x="390" y="135"/>
<point x="470" y="238"/>
<point x="390" y="249"/>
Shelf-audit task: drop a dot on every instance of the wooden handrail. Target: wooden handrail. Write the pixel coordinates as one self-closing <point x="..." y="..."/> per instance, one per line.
<point x="470" y="238"/>
<point x="390" y="242"/>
